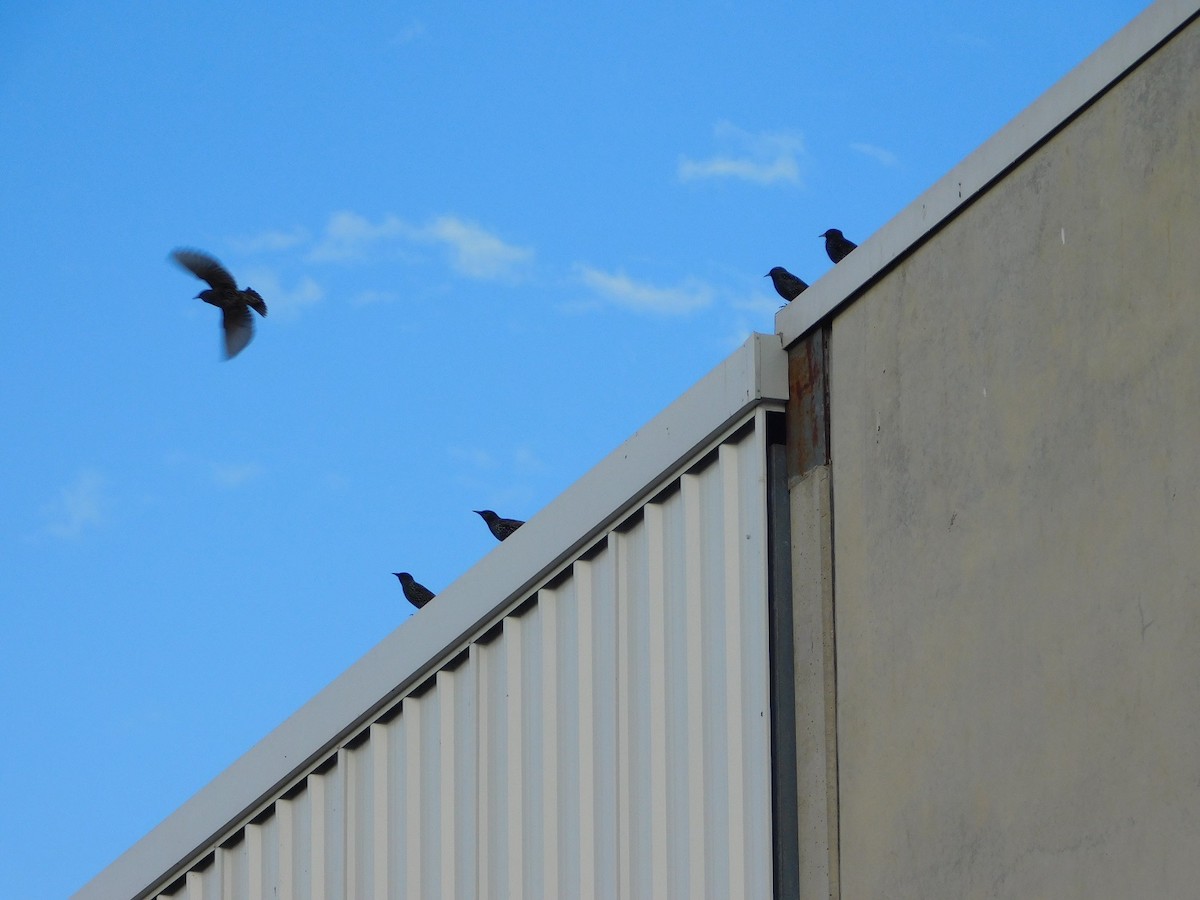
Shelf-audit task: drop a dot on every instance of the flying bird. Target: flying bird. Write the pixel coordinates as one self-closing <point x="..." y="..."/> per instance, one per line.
<point x="787" y="285"/>
<point x="223" y="293"/>
<point x="416" y="594"/>
<point x="501" y="528"/>
<point x="837" y="245"/>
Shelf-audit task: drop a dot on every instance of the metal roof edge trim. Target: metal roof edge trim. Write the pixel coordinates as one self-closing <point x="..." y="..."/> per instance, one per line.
<point x="986" y="165"/>
<point x="754" y="374"/>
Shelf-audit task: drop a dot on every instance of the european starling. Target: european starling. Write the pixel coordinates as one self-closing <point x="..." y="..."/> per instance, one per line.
<point x="787" y="285"/>
<point x="837" y="245"/>
<point x="223" y="293"/>
<point x="416" y="594"/>
<point x="501" y="528"/>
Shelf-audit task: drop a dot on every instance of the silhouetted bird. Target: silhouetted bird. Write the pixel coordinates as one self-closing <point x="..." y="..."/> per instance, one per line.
<point x="501" y="528"/>
<point x="223" y="293"/>
<point x="787" y="285"/>
<point x="837" y="245"/>
<point x="417" y="594"/>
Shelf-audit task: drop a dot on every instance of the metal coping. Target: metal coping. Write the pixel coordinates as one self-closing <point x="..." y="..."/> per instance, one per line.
<point x="989" y="163"/>
<point x="754" y="374"/>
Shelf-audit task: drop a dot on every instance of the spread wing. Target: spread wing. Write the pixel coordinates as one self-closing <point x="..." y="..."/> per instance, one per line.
<point x="205" y="267"/>
<point x="238" y="325"/>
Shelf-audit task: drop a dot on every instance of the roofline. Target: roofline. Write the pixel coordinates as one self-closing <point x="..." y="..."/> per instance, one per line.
<point x="754" y="374"/>
<point x="974" y="176"/>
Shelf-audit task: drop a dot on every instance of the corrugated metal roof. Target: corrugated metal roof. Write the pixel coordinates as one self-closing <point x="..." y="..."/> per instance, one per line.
<point x="546" y="715"/>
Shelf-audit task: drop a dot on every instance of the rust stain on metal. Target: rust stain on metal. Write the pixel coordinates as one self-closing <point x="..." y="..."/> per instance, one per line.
<point x="808" y="403"/>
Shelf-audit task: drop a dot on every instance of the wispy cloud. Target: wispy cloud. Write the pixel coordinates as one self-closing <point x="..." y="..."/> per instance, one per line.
<point x="371" y="297"/>
<point x="761" y="158"/>
<point x="222" y="474"/>
<point x="526" y="460"/>
<point x="234" y="475"/>
<point x="78" y="506"/>
<point x="272" y="241"/>
<point x="766" y="304"/>
<point x="474" y="251"/>
<point x="886" y="157"/>
<point x="476" y="457"/>
<point x="408" y="34"/>
<point x="620" y="289"/>
<point x="283" y="300"/>
<point x="350" y="237"/>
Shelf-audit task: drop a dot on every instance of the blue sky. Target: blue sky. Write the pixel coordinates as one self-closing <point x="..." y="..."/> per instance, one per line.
<point x="493" y="242"/>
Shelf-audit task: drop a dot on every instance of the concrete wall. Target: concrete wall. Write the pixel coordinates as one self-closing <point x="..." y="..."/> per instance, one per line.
<point x="1015" y="443"/>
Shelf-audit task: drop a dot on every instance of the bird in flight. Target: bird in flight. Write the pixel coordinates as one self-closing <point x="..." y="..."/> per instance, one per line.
<point x="501" y="528"/>
<point x="223" y="293"/>
<point x="837" y="245"/>
<point x="787" y="285"/>
<point x="416" y="594"/>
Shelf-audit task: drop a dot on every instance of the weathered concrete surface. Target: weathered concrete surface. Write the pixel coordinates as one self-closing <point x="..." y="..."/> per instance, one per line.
<point x="1016" y="486"/>
<point x="816" y="689"/>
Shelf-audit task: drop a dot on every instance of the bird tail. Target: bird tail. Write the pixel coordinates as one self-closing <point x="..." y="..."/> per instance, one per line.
<point x="255" y="301"/>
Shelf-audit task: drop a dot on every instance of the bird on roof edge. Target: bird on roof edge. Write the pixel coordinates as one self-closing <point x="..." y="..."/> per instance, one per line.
<point x="787" y="285"/>
<point x="500" y="528"/>
<point x="416" y="594"/>
<point x="223" y="293"/>
<point x="837" y="245"/>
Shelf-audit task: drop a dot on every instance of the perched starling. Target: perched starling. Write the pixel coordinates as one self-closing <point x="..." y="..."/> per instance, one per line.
<point x="417" y="594"/>
<point x="787" y="285"/>
<point x="837" y="245"/>
<point x="223" y="293"/>
<point x="501" y="528"/>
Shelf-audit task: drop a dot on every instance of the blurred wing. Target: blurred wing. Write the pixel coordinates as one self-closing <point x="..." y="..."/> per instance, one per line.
<point x="239" y="328"/>
<point x="204" y="266"/>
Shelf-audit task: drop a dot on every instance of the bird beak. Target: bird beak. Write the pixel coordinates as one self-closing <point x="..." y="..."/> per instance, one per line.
<point x="768" y="275"/>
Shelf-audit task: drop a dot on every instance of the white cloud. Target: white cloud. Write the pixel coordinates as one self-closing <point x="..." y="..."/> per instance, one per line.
<point x="78" y="506"/>
<point x="474" y="251"/>
<point x="272" y="241"/>
<point x="622" y="290"/>
<point x="886" y="157"/>
<point x="762" y="158"/>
